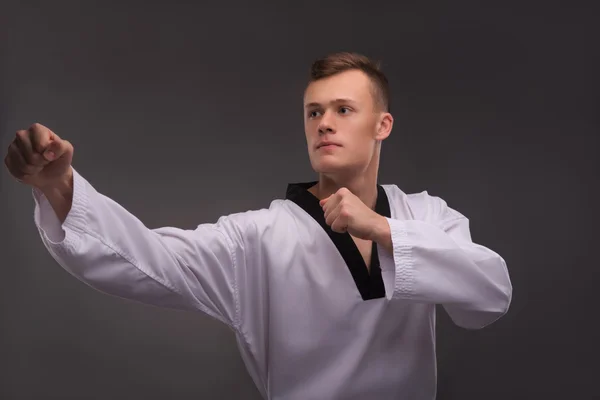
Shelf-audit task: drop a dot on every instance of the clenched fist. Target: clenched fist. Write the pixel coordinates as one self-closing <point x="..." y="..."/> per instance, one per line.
<point x="345" y="212"/>
<point x="38" y="157"/>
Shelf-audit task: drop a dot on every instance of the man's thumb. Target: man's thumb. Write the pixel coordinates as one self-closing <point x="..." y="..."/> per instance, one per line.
<point x="54" y="150"/>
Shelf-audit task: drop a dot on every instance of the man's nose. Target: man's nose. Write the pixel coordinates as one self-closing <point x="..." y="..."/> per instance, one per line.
<point x="326" y="124"/>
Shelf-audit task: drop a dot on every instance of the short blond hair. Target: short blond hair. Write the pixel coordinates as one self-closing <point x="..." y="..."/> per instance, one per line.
<point x="336" y="63"/>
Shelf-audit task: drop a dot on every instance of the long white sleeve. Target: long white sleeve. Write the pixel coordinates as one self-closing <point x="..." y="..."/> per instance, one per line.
<point x="436" y="261"/>
<point x="111" y="250"/>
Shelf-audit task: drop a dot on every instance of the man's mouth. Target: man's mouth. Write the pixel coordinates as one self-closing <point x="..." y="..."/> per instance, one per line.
<point x="327" y="144"/>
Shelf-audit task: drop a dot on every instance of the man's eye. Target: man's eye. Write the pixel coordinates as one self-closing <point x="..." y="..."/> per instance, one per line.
<point x="344" y="109"/>
<point x="312" y="114"/>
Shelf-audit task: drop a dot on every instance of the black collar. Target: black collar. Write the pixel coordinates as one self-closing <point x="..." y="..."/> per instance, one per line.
<point x="370" y="285"/>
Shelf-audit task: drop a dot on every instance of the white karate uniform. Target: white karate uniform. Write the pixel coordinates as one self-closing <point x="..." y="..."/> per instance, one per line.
<point x="310" y="321"/>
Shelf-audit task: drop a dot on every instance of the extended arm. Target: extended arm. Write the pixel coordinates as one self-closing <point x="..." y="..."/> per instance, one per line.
<point x="108" y="248"/>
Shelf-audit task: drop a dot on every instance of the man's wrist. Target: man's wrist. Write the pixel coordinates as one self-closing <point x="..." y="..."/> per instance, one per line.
<point x="60" y="195"/>
<point x="62" y="188"/>
<point x="383" y="234"/>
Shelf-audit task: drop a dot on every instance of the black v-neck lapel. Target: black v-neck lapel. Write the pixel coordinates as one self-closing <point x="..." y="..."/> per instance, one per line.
<point x="370" y="285"/>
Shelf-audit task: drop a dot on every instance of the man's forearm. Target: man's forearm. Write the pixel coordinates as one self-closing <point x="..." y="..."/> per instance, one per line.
<point x="60" y="196"/>
<point x="383" y="235"/>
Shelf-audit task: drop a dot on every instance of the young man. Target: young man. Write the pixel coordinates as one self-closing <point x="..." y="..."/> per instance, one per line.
<point x="331" y="292"/>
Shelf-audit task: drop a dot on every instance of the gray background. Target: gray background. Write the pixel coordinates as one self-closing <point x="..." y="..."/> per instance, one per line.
<point x="183" y="113"/>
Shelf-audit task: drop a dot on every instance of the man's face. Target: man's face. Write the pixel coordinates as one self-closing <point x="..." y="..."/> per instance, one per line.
<point x="340" y="109"/>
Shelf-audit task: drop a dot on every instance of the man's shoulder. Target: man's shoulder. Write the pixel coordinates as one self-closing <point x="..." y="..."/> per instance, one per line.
<point x="420" y="199"/>
<point x="268" y="224"/>
<point x="255" y="218"/>
<point x="423" y="204"/>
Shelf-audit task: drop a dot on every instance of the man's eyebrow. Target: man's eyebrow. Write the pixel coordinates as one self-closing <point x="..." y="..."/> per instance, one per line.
<point x="341" y="100"/>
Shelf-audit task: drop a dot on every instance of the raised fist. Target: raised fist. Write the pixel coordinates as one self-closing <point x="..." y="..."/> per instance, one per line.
<point x="38" y="157"/>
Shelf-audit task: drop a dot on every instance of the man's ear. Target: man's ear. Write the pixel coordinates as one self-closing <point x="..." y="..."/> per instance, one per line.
<point x="384" y="126"/>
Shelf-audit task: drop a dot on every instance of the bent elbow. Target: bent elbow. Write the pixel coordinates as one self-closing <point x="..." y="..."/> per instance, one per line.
<point x="495" y="305"/>
<point x="481" y="317"/>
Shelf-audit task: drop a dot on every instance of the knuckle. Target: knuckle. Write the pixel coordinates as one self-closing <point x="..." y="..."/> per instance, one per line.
<point x="20" y="135"/>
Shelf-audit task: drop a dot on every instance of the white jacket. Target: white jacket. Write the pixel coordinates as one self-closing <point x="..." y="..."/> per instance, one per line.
<point x="310" y="321"/>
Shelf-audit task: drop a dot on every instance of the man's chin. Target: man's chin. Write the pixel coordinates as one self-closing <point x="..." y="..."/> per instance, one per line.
<point x="328" y="167"/>
<point x="332" y="168"/>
